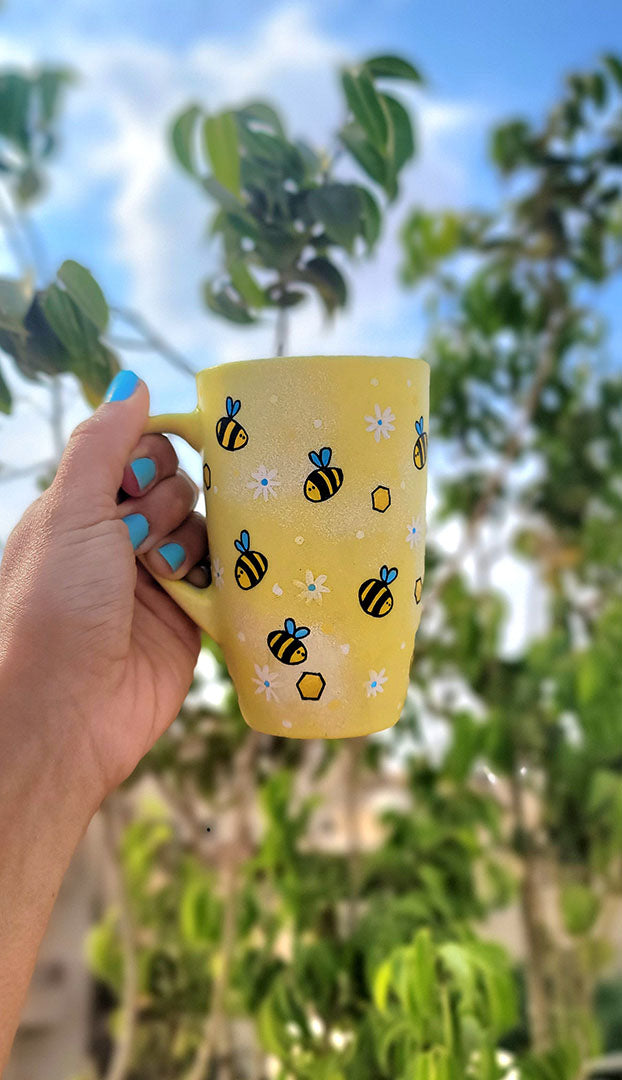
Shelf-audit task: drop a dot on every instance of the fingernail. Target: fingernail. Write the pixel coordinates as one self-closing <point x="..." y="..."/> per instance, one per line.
<point x="122" y="386"/>
<point x="173" y="554"/>
<point x="144" y="470"/>
<point x="138" y="528"/>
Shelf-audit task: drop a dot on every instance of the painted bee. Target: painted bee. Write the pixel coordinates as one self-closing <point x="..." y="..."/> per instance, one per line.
<point x="251" y="565"/>
<point x="420" y="451"/>
<point x="229" y="433"/>
<point x="375" y="597"/>
<point x="325" y="480"/>
<point x="285" y="644"/>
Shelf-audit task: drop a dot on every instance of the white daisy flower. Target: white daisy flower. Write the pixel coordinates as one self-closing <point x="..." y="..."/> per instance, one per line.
<point x="414" y="533"/>
<point x="381" y="423"/>
<point x="312" y="588"/>
<point x="375" y="682"/>
<point x="264" y="482"/>
<point x="266" y="681"/>
<point x="218" y="573"/>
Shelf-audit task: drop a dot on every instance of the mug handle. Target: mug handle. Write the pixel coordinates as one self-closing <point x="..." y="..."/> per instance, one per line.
<point x="197" y="603"/>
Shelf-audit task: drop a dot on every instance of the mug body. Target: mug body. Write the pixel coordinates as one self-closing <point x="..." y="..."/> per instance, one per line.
<point x="315" y="480"/>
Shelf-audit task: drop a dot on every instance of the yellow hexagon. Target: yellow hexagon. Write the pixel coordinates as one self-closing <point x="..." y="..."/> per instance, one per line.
<point x="418" y="589"/>
<point x="381" y="499"/>
<point x="207" y="476"/>
<point x="311" y="685"/>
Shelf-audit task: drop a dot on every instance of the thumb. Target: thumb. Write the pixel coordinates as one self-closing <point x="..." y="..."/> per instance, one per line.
<point x="92" y="464"/>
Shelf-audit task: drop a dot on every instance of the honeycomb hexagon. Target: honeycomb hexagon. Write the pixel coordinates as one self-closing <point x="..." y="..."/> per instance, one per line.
<point x="381" y="499"/>
<point x="311" y="685"/>
<point x="418" y="589"/>
<point x="207" y="476"/>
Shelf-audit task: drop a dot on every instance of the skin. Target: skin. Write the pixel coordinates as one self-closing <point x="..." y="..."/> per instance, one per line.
<point x="95" y="661"/>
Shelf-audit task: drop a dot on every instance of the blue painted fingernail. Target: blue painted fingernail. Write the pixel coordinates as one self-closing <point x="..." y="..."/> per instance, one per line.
<point x="138" y="528"/>
<point x="122" y="386"/>
<point x="144" y="470"/>
<point x="174" y="555"/>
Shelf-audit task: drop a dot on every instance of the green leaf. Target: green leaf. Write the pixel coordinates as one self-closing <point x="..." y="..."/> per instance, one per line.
<point x="77" y="333"/>
<point x="15" y="299"/>
<point x="366" y="106"/>
<point x="222" y="195"/>
<point x="401" y="140"/>
<point x="371" y="219"/>
<point x="393" y="67"/>
<point x="326" y="278"/>
<point x="183" y="137"/>
<point x="15" y="93"/>
<point x="220" y="134"/>
<point x="226" y="303"/>
<point x="580" y="908"/>
<point x="338" y="208"/>
<point x="355" y="141"/>
<point x="82" y="287"/>
<point x="246" y="285"/>
<point x="382" y="985"/>
<point x="50" y="83"/>
<point x="259" y="112"/>
<point x="6" y="400"/>
<point x="614" y="66"/>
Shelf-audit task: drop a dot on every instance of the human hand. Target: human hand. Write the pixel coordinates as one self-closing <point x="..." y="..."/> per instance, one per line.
<point x="98" y="653"/>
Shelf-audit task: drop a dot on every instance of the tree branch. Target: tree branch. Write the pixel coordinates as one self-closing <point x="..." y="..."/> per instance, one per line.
<point x="152" y="339"/>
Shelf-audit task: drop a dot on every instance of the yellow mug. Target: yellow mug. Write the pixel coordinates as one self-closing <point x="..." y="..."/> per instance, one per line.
<point x="315" y="481"/>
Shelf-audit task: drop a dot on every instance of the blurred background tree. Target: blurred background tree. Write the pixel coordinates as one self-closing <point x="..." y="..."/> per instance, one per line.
<point x="262" y="947"/>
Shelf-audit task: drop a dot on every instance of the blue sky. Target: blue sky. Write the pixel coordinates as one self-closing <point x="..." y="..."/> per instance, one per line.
<point x="118" y="204"/>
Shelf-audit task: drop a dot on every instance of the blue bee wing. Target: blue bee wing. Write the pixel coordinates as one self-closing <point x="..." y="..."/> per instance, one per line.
<point x="236" y="407"/>
<point x="384" y="570"/>
<point x="419" y="425"/>
<point x="239" y="546"/>
<point x="315" y="458"/>
<point x="325" y="455"/>
<point x="229" y="406"/>
<point x="302" y="631"/>
<point x="245" y="538"/>
<point x="290" y="626"/>
<point x="391" y="576"/>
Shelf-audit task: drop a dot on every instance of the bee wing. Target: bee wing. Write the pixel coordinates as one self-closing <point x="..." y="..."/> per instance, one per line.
<point x="419" y="425"/>
<point x="302" y="631"/>
<point x="239" y="547"/>
<point x="290" y="626"/>
<point x="384" y="570"/>
<point x="325" y="455"/>
<point x="236" y="407"/>
<point x="315" y="459"/>
<point x="391" y="576"/>
<point x="245" y="538"/>
<point x="229" y="406"/>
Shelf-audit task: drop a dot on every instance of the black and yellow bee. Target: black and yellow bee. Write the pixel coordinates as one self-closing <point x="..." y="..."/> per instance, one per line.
<point x="251" y="565"/>
<point x="230" y="434"/>
<point x="420" y="451"/>
<point x="375" y="596"/>
<point x="325" y="480"/>
<point x="285" y="644"/>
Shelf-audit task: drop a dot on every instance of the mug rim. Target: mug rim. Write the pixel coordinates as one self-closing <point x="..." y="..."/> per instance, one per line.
<point x="311" y="356"/>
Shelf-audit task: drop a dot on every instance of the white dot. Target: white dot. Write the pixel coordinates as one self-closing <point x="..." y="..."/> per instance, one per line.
<point x="274" y="399"/>
<point x="241" y="636"/>
<point x="317" y="423"/>
<point x="299" y="540"/>
<point x="374" y="382"/>
<point x="408" y="382"/>
<point x="214" y="489"/>
<point x="360" y="534"/>
<point x="345" y="649"/>
<point x="403" y="645"/>
<point x="403" y="484"/>
<point x="287" y="723"/>
<point x="277" y="590"/>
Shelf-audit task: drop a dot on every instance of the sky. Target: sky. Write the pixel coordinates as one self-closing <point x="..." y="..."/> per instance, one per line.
<point x="118" y="203"/>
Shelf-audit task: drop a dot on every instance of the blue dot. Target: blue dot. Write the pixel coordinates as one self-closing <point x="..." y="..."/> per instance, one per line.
<point x="264" y="481"/>
<point x="311" y="588"/>
<point x="266" y="683"/>
<point x="374" y="684"/>
<point x="380" y="422"/>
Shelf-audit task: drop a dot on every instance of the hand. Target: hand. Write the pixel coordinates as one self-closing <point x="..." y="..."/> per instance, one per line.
<point x="99" y="655"/>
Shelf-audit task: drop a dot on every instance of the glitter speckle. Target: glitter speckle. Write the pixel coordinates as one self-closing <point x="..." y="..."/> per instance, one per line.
<point x="403" y="645"/>
<point x="287" y="723"/>
<point x="345" y="649"/>
<point x="241" y="636"/>
<point x="277" y="590"/>
<point x="408" y="382"/>
<point x="374" y="382"/>
<point x="215" y="489"/>
<point x="360" y="534"/>
<point x="317" y="423"/>
<point x="299" y="540"/>
<point x="403" y="485"/>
